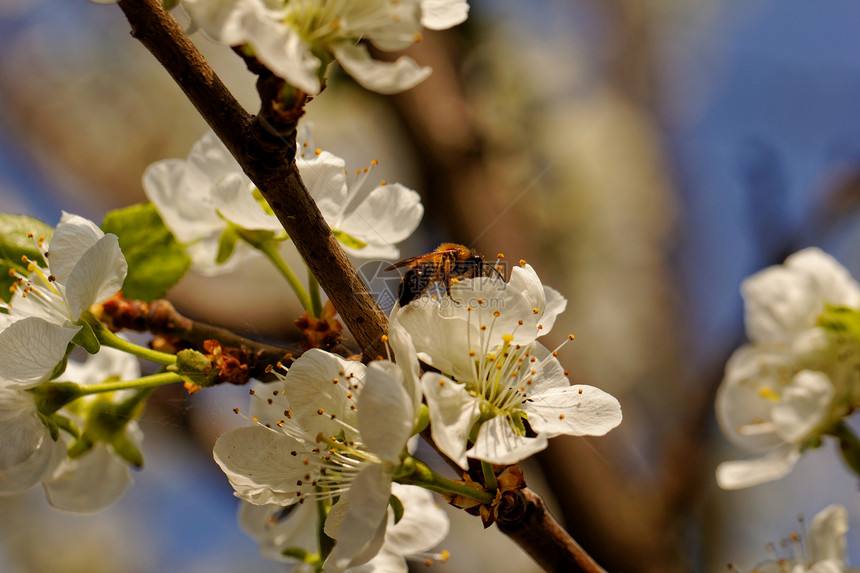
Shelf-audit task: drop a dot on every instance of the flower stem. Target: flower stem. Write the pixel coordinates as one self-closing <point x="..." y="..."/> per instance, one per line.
<point x="423" y="476"/>
<point x="270" y="249"/>
<point x="314" y="288"/>
<point x="141" y="383"/>
<point x="108" y="338"/>
<point x="489" y="476"/>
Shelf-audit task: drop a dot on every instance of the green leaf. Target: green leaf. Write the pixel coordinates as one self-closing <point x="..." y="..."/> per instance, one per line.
<point x="156" y="260"/>
<point x="396" y="507"/>
<point x="14" y="243"/>
<point x="348" y="240"/>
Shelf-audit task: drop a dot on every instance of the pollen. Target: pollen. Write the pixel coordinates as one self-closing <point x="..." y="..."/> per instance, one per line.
<point x="268" y="369"/>
<point x="383" y="182"/>
<point x="374" y="162"/>
<point x="235" y="410"/>
<point x="535" y="310"/>
<point x="255" y="420"/>
<point x="580" y="391"/>
<point x="497" y="314"/>
<point x="320" y="411"/>
<point x="561" y="416"/>
<point x="522" y="262"/>
<point x="768" y="394"/>
<point x="441" y="383"/>
<point x="471" y="353"/>
<point x="570" y="337"/>
<point x="317" y="151"/>
<point x="555" y="353"/>
<point x="507" y="337"/>
<point x="567" y="372"/>
<point x="384" y="338"/>
<point x="335" y="380"/>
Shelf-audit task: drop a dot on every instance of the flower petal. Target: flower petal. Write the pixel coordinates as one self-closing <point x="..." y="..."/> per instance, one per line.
<point x="276" y="528"/>
<point x="27" y="452"/>
<point x="378" y="76"/>
<point x="89" y="483"/>
<point x="323" y="382"/>
<point x="30" y="349"/>
<point x="385" y="411"/>
<point x="97" y="276"/>
<point x="746" y="473"/>
<point x="827" y="534"/>
<point x="388" y="215"/>
<point x="497" y="443"/>
<point x="443" y="14"/>
<point x="453" y="411"/>
<point x="182" y="193"/>
<point x="805" y="404"/>
<point x="233" y="196"/>
<point x="361" y="532"/>
<point x="423" y="525"/>
<point x="576" y="411"/>
<point x="72" y="237"/>
<point x="259" y="464"/>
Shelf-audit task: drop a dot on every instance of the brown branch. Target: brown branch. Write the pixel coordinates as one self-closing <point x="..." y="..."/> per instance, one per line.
<point x="268" y="158"/>
<point x="159" y="317"/>
<point x="528" y="522"/>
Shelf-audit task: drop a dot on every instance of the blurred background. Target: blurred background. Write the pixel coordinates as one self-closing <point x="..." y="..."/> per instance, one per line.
<point x="644" y="157"/>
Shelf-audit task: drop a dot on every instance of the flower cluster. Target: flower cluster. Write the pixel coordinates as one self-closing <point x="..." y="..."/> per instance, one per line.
<point x="795" y="380"/>
<point x="84" y="266"/>
<point x="297" y="39"/>
<point x="206" y="198"/>
<point x="335" y="432"/>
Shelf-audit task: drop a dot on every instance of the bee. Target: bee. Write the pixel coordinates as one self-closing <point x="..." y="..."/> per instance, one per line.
<point x="448" y="262"/>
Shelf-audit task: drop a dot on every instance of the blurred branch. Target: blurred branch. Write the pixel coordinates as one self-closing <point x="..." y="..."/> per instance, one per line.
<point x="268" y="157"/>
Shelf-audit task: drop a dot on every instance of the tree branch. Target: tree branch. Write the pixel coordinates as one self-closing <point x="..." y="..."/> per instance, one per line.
<point x="160" y="318"/>
<point x="268" y="158"/>
<point x="528" y="522"/>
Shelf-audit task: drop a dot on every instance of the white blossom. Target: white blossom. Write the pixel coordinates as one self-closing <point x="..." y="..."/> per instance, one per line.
<point x="794" y="380"/>
<point x="483" y="341"/>
<point x="334" y="428"/>
<point x="422" y="526"/>
<point x="28" y="455"/>
<point x="822" y="551"/>
<point x="82" y="267"/>
<point x="296" y="39"/>
<point x="201" y="196"/>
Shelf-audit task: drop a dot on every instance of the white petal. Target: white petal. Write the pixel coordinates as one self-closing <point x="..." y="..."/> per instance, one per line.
<point x="319" y="380"/>
<point x="747" y="473"/>
<point x="233" y="196"/>
<point x="443" y="14"/>
<point x="259" y="464"/>
<point x="423" y="525"/>
<point x="385" y="411"/>
<point x="183" y="196"/>
<point x="805" y="404"/>
<point x="282" y="50"/>
<point x="89" y="483"/>
<point x="827" y="533"/>
<point x="30" y="349"/>
<point x="404" y="354"/>
<point x="98" y="275"/>
<point x="361" y="533"/>
<point x="555" y="305"/>
<point x="27" y="452"/>
<point x="324" y="177"/>
<point x="388" y="215"/>
<point x="576" y="411"/>
<point x="378" y="76"/>
<point x="743" y="403"/>
<point x="276" y="528"/>
<point x="72" y="237"/>
<point x="453" y="411"/>
<point x="497" y="443"/>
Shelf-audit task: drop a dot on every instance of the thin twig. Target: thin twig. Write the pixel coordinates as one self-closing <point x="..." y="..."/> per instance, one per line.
<point x="269" y="162"/>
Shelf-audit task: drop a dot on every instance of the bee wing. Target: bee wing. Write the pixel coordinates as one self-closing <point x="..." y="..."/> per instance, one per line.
<point x="405" y="262"/>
